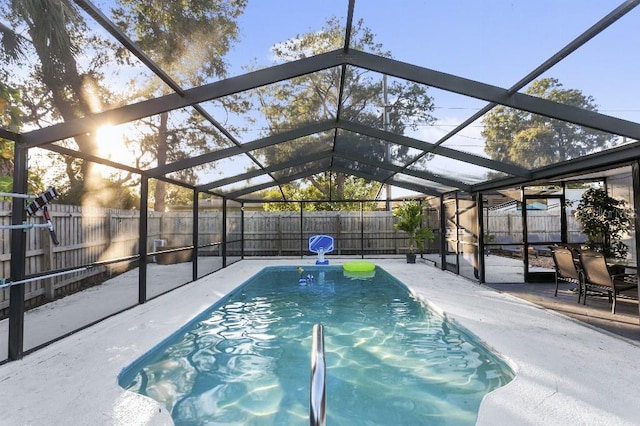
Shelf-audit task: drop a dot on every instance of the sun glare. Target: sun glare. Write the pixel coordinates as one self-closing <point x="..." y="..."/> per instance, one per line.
<point x="111" y="146"/>
<point x="110" y="142"/>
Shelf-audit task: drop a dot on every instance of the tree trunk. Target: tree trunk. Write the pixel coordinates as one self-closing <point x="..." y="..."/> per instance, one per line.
<point x="339" y="186"/>
<point x="160" y="193"/>
<point x="72" y="96"/>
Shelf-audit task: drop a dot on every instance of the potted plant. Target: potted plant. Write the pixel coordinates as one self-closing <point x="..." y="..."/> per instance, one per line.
<point x="410" y="217"/>
<point x="605" y="220"/>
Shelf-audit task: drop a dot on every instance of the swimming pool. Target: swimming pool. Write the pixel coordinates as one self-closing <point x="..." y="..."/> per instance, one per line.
<point x="389" y="359"/>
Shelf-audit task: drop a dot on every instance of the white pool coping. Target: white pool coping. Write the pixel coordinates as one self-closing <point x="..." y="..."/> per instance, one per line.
<point x="567" y="373"/>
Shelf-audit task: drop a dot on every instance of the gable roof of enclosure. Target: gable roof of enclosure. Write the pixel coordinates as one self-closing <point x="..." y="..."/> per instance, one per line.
<point x="429" y="165"/>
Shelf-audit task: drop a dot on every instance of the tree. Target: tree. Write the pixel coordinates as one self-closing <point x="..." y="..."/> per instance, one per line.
<point x="353" y="189"/>
<point x="56" y="32"/>
<point x="59" y="86"/>
<point x="312" y="98"/>
<point x="533" y="141"/>
<point x="189" y="40"/>
<point x="605" y="221"/>
<point x="9" y="118"/>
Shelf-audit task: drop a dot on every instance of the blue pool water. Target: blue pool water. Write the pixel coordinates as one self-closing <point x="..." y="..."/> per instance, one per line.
<point x="390" y="360"/>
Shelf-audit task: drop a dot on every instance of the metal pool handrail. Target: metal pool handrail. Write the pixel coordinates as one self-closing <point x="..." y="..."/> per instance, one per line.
<point x="317" y="397"/>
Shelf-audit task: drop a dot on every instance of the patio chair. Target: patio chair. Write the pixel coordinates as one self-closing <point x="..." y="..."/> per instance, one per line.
<point x="566" y="268"/>
<point x="597" y="276"/>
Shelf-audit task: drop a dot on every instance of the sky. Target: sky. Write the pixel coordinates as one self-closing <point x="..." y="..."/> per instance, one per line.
<point x="494" y="41"/>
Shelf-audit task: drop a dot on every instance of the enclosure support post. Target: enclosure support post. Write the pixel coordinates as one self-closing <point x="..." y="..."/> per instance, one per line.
<point x="361" y="230"/>
<point x="443" y="236"/>
<point x="458" y="244"/>
<point x="142" y="237"/>
<point x="242" y="230"/>
<point x="636" y="209"/>
<point x="421" y="223"/>
<point x="301" y="231"/>
<point x="525" y="234"/>
<point x="18" y="256"/>
<point x="480" y="241"/>
<point x="196" y="235"/>
<point x="224" y="232"/>
<point x="563" y="215"/>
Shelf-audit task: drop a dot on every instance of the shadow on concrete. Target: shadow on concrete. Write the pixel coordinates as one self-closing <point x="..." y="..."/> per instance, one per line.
<point x="596" y="313"/>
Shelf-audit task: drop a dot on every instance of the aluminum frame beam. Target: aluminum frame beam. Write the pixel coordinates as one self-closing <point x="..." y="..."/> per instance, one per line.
<point x="244" y="148"/>
<point x="498" y="95"/>
<point x="404" y="185"/>
<point x="191" y="97"/>
<point x="327" y="60"/>
<point x="271" y="169"/>
<point x="572" y="46"/>
<point x="249" y="190"/>
<point x="340" y="155"/>
<point x="9" y="135"/>
<point x="79" y="154"/>
<point x="334" y="168"/>
<point x="430" y="147"/>
<point x="612" y="157"/>
<point x="399" y="169"/>
<point x="347" y="126"/>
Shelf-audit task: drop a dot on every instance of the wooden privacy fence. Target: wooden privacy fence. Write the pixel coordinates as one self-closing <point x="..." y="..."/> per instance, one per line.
<point x="88" y="235"/>
<point x="546" y="224"/>
<point x="282" y="234"/>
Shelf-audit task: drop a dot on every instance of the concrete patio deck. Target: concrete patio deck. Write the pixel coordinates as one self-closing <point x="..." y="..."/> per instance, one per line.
<point x="596" y="313"/>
